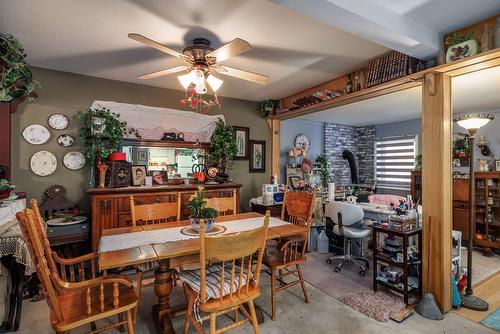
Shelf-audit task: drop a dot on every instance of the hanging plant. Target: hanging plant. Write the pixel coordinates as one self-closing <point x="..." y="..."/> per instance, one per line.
<point x="16" y="79"/>
<point x="268" y="107"/>
<point x="324" y="173"/>
<point x="102" y="133"/>
<point x="223" y="146"/>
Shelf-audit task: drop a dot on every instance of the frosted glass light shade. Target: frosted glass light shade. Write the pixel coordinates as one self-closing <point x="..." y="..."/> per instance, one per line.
<point x="473" y="122"/>
<point x="185" y="80"/>
<point x="201" y="88"/>
<point x="214" y="82"/>
<point x="197" y="77"/>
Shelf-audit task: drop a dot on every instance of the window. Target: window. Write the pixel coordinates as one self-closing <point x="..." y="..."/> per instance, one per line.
<point x="395" y="157"/>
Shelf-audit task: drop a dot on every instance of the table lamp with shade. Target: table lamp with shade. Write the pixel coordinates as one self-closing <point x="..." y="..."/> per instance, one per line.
<point x="472" y="123"/>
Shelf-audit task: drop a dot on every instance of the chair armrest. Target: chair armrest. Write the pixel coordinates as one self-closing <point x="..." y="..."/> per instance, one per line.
<point x="283" y="244"/>
<point x="75" y="260"/>
<point x="103" y="280"/>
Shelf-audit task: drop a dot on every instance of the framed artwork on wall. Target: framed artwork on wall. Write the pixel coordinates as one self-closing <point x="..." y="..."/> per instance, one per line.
<point x="242" y="141"/>
<point x="138" y="175"/>
<point x="257" y="156"/>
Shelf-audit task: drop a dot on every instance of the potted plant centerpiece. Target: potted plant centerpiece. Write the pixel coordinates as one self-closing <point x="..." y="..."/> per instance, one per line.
<point x="197" y="206"/>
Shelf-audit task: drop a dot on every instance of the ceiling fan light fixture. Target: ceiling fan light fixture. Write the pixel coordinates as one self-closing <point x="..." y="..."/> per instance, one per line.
<point x="185" y="80"/>
<point x="214" y="82"/>
<point x="197" y="77"/>
<point x="200" y="88"/>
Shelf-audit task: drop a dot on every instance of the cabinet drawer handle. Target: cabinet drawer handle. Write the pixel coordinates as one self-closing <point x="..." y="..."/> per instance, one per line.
<point x="157" y="200"/>
<point x="137" y="201"/>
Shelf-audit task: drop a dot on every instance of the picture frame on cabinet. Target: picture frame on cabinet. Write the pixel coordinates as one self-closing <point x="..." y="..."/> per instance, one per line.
<point x="497" y="165"/>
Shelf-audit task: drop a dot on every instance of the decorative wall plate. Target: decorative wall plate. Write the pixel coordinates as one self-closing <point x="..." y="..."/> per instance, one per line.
<point x="58" y="122"/>
<point x="65" y="140"/>
<point x="74" y="160"/>
<point x="36" y="134"/>
<point x="43" y="163"/>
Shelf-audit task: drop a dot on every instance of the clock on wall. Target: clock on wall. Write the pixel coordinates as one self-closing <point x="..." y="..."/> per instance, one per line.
<point x="302" y="141"/>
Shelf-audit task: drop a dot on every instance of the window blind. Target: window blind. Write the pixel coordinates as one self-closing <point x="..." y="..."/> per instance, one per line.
<point x="395" y="157"/>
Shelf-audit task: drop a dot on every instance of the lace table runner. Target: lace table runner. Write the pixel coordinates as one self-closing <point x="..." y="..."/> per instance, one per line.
<point x="130" y="240"/>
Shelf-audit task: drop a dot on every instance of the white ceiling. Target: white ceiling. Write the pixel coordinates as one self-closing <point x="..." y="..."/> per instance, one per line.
<point x="296" y="48"/>
<point x="90" y="37"/>
<point x="414" y="27"/>
<point x="476" y="92"/>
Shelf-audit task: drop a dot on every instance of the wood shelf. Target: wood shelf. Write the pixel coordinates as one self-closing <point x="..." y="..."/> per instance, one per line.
<point x="459" y="67"/>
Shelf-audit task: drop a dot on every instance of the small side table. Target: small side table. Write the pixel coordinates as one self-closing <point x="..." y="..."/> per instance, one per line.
<point x="379" y="256"/>
<point x="261" y="208"/>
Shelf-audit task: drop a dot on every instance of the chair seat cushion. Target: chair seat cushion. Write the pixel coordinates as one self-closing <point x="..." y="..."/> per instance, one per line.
<point x="352" y="232"/>
<point x="213" y="273"/>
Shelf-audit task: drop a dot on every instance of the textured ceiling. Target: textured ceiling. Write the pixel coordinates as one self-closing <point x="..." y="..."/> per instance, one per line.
<point x="90" y="37"/>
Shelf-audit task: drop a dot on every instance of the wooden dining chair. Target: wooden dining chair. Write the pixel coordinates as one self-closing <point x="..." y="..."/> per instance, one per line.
<point x="224" y="205"/>
<point x="225" y="280"/>
<point x="75" y="304"/>
<point x="145" y="214"/>
<point x="69" y="269"/>
<point x="285" y="258"/>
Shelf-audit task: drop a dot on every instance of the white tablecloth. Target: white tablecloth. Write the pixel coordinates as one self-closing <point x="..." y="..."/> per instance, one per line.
<point x="129" y="240"/>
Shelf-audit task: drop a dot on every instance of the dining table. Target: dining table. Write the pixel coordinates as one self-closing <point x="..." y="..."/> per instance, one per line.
<point x="134" y="245"/>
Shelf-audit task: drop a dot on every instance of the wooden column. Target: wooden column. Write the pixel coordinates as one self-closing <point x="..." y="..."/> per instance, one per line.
<point x="274" y="141"/>
<point x="437" y="187"/>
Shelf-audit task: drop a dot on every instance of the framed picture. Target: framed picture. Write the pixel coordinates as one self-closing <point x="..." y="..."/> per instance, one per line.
<point x="242" y="141"/>
<point x="160" y="178"/>
<point x="296" y="182"/>
<point x="257" y="156"/>
<point x="138" y="175"/>
<point x="497" y="165"/>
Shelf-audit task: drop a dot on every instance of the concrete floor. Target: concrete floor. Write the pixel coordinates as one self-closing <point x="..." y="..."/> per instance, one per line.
<point x="324" y="314"/>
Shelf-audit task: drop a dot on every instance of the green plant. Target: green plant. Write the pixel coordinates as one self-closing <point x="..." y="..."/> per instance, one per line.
<point x="16" y="79"/>
<point x="417" y="165"/>
<point x="197" y="206"/>
<point x="101" y="133"/>
<point x="324" y="173"/>
<point x="223" y="146"/>
<point x="457" y="38"/>
<point x="267" y="107"/>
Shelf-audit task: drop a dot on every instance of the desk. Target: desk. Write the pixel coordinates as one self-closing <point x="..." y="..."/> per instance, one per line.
<point x="171" y="255"/>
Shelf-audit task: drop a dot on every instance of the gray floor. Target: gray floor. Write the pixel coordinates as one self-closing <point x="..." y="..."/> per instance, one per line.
<point x="324" y="314"/>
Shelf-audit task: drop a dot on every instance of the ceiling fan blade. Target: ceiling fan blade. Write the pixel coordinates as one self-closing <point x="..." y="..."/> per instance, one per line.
<point x="156" y="45"/>
<point x="228" y="50"/>
<point x="163" y="72"/>
<point x="245" y="75"/>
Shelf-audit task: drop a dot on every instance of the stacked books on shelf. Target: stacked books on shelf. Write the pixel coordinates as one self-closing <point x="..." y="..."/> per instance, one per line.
<point x="391" y="66"/>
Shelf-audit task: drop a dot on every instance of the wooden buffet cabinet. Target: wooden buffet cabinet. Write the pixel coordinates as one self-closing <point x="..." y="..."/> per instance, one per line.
<point x="111" y="206"/>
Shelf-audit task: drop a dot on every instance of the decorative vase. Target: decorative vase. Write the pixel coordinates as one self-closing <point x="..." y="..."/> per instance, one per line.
<point x="462" y="50"/>
<point x="195" y="224"/>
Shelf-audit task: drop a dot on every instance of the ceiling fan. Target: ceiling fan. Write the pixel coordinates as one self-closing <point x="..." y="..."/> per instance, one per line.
<point x="202" y="61"/>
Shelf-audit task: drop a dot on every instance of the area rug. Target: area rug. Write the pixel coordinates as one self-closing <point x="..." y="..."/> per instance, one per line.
<point x="377" y="305"/>
<point x="493" y="320"/>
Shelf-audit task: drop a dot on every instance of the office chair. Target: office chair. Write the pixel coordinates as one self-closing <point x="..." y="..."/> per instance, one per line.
<point x="348" y="223"/>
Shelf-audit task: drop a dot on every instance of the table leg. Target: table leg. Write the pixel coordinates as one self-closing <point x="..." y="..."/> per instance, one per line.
<point x="163" y="288"/>
<point x="20" y="269"/>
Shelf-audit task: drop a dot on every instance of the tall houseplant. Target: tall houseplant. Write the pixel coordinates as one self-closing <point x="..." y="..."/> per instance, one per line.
<point x="223" y="146"/>
<point x="101" y="133"/>
<point x="16" y="79"/>
<point x="324" y="173"/>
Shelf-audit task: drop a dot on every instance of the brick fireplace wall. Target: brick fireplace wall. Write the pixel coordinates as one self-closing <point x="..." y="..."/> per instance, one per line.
<point x="360" y="141"/>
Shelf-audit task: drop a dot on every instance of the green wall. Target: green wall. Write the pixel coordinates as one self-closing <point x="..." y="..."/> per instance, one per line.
<point x="68" y="93"/>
